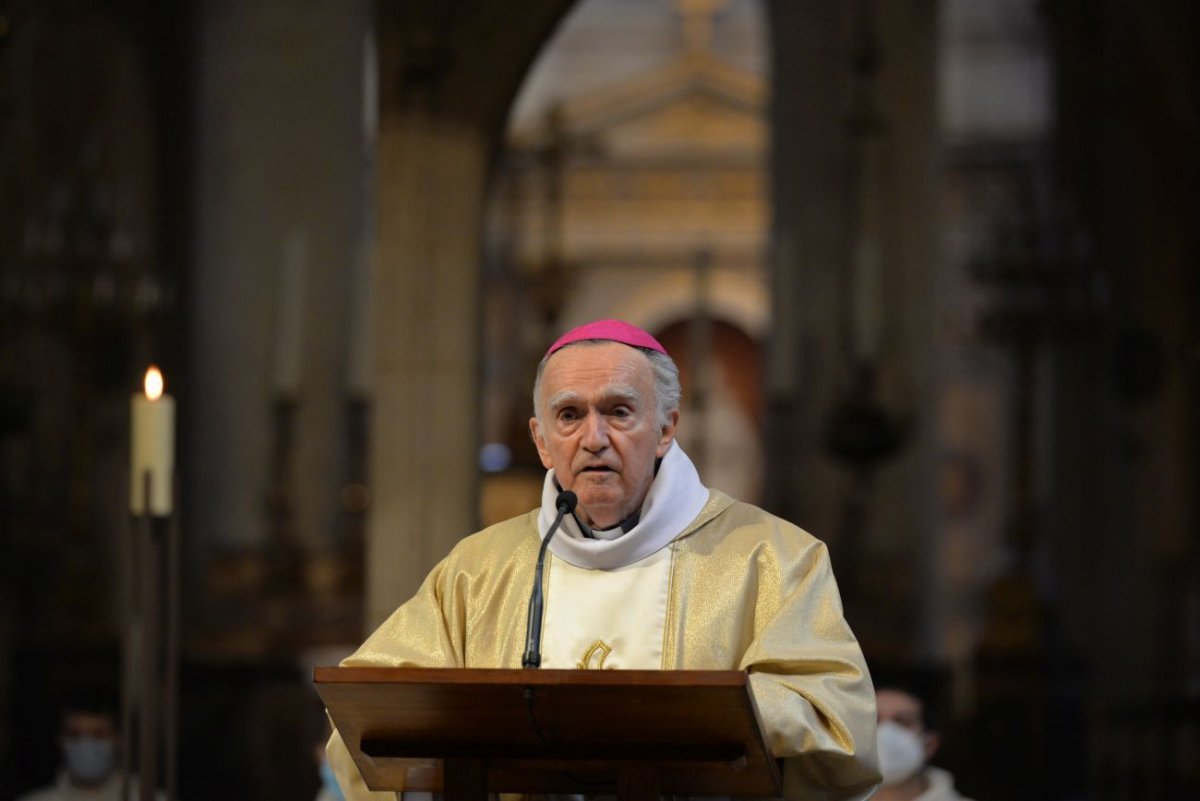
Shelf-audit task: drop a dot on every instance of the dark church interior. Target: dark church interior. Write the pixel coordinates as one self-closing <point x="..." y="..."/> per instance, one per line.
<point x="930" y="270"/>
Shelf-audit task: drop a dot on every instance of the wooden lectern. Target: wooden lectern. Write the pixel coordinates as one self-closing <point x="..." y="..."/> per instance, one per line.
<point x="638" y="733"/>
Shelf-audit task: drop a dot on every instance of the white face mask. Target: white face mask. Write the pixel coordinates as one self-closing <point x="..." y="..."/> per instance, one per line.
<point x="90" y="760"/>
<point x="901" y="752"/>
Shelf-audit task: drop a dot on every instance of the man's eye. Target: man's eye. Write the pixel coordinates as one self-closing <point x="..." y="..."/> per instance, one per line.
<point x="566" y="415"/>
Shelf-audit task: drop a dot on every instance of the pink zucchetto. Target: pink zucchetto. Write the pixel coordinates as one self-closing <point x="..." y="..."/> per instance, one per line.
<point x="611" y="330"/>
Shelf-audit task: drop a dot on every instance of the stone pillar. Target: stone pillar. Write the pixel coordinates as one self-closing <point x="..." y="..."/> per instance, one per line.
<point x="807" y="366"/>
<point x="912" y="381"/>
<point x="425" y="407"/>
<point x="809" y="147"/>
<point x="445" y="85"/>
<point x="1126" y="455"/>
<point x="279" y="207"/>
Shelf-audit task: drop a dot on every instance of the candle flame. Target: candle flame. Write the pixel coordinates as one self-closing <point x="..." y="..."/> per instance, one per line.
<point x="154" y="383"/>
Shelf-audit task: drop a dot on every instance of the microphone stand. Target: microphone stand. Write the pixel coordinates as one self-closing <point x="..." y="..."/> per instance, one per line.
<point x="565" y="503"/>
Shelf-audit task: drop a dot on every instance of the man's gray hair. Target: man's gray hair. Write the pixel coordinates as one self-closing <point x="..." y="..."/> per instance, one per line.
<point x="667" y="392"/>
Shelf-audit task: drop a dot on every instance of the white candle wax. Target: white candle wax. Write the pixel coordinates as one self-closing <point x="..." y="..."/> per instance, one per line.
<point x="153" y="450"/>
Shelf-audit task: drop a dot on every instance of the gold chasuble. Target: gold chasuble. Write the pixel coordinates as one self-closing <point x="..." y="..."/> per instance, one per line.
<point x="736" y="589"/>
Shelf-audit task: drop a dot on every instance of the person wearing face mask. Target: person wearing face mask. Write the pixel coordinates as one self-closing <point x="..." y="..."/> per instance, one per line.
<point x="905" y="743"/>
<point x="89" y="740"/>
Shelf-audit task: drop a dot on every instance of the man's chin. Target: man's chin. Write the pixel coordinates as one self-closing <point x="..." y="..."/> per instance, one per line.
<point x="599" y="512"/>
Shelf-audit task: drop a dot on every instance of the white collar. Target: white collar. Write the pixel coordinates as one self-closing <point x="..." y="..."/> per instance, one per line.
<point x="675" y="498"/>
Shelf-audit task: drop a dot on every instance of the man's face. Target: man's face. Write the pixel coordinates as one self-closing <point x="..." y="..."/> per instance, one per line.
<point x="599" y="430"/>
<point x="89" y="744"/>
<point x="905" y="710"/>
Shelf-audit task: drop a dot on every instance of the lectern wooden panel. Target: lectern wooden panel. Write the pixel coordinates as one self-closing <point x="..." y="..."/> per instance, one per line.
<point x="639" y="733"/>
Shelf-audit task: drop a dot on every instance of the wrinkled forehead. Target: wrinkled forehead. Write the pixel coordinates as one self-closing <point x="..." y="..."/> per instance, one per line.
<point x="596" y="362"/>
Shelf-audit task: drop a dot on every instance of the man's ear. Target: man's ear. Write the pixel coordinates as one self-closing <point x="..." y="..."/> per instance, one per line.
<point x="667" y="434"/>
<point x="539" y="442"/>
<point x="932" y="743"/>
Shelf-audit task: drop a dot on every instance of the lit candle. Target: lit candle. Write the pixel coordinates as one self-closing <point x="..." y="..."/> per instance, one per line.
<point x="153" y="449"/>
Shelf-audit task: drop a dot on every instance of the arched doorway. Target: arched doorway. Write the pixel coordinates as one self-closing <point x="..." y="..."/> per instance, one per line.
<point x="633" y="185"/>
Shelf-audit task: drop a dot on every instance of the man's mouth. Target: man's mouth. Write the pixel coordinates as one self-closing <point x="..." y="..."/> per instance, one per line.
<point x="597" y="469"/>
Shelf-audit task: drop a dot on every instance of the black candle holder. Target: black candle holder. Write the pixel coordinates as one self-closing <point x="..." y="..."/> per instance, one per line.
<point x="150" y="659"/>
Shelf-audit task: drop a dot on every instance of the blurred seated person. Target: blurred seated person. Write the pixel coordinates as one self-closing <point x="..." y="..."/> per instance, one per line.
<point x="90" y="742"/>
<point x="89" y="739"/>
<point x="906" y="741"/>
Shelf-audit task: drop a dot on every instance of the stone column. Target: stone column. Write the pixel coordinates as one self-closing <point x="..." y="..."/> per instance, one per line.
<point x="912" y="381"/>
<point x="279" y="208"/>
<point x="446" y="80"/>
<point x="809" y="148"/>
<point x="425" y="406"/>
<point x="808" y="367"/>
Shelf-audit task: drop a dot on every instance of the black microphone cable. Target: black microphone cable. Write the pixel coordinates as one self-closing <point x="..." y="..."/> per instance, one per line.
<point x="565" y="503"/>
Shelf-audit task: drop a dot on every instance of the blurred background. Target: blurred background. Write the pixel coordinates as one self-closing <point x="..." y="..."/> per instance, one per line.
<point x="929" y="268"/>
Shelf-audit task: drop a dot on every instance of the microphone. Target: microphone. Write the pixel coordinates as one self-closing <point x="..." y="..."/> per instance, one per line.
<point x="565" y="503"/>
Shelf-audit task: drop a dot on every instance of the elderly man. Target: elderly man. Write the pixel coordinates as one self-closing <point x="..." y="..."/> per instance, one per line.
<point x="651" y="571"/>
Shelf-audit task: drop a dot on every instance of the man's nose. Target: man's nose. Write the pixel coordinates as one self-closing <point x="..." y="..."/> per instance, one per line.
<point x="595" y="433"/>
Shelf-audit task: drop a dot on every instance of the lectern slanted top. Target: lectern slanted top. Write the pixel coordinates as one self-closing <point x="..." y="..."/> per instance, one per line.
<point x="637" y="733"/>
